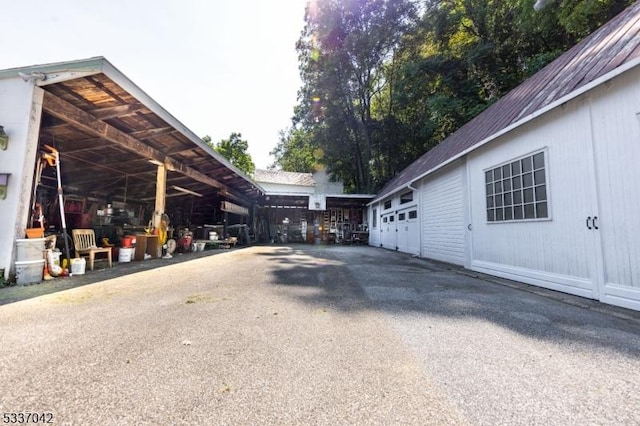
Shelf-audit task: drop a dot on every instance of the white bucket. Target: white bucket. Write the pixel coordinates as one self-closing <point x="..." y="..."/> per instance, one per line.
<point x="78" y="265"/>
<point x="125" y="254"/>
<point x="53" y="262"/>
<point x="29" y="271"/>
<point x="200" y="246"/>
<point x="213" y="236"/>
<point x="56" y="258"/>
<point x="29" y="249"/>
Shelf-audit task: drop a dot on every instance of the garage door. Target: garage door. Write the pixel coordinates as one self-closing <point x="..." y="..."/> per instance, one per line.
<point x="443" y="217"/>
<point x="388" y="233"/>
<point x="408" y="228"/>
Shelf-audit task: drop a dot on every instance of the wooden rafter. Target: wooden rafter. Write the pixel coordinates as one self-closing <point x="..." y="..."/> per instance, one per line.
<point x="116" y="111"/>
<point x="83" y="120"/>
<point x="150" y="133"/>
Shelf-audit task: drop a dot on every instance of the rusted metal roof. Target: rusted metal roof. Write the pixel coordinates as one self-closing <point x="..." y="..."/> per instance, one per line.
<point x="598" y="56"/>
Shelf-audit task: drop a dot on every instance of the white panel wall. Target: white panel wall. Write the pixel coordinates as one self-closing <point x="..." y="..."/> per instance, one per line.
<point x="443" y="216"/>
<point x="20" y="111"/>
<point x="615" y="111"/>
<point x="557" y="252"/>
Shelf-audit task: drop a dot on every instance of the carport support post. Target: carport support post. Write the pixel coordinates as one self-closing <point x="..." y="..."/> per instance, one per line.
<point x="161" y="189"/>
<point x="224" y="225"/>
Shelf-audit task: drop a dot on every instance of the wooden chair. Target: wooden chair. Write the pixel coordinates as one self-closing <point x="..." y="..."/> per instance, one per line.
<point x="84" y="241"/>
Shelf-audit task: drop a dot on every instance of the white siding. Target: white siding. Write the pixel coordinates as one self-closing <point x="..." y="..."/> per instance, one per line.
<point x="558" y="252"/>
<point x="20" y="113"/>
<point x="443" y="217"/>
<point x="615" y="111"/>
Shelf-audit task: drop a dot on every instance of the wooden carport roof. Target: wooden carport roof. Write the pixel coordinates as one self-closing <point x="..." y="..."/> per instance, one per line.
<point x="112" y="136"/>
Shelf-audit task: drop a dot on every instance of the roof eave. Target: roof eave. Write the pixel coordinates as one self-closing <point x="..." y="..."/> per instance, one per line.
<point x="568" y="97"/>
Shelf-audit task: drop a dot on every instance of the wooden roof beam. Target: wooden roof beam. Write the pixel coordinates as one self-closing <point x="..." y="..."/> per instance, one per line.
<point x="116" y="111"/>
<point x="151" y="133"/>
<point x="88" y="123"/>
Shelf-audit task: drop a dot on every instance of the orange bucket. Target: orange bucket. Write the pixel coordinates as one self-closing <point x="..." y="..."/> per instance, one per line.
<point x="126" y="242"/>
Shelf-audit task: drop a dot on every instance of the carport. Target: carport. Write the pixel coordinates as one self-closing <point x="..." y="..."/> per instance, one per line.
<point x="124" y="159"/>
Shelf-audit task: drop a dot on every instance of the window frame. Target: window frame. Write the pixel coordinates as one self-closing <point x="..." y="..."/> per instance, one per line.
<point x="406" y="197"/>
<point x="494" y="187"/>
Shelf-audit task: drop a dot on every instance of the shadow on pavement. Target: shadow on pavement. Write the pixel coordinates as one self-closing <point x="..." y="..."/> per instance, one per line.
<point x="361" y="278"/>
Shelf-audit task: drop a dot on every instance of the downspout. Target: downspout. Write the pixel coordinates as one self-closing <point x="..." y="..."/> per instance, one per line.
<point x="409" y="186"/>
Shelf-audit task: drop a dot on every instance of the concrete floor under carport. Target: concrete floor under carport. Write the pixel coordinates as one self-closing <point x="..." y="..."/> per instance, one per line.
<point x="318" y="334"/>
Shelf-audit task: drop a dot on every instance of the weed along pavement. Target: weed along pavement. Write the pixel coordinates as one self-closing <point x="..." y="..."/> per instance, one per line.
<point x="316" y="335"/>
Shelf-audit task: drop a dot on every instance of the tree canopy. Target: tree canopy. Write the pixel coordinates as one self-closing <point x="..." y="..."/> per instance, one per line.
<point x="235" y="150"/>
<point x="386" y="80"/>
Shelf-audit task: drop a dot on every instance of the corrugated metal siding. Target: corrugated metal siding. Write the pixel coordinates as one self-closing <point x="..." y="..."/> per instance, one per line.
<point x="443" y="223"/>
<point x="611" y="46"/>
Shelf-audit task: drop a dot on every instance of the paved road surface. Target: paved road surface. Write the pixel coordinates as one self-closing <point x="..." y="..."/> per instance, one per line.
<point x="317" y="335"/>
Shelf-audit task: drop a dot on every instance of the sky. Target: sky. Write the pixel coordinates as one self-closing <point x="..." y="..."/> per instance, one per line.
<point x="218" y="66"/>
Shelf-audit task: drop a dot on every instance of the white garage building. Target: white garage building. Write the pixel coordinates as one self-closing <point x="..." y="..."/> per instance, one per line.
<point x="543" y="187"/>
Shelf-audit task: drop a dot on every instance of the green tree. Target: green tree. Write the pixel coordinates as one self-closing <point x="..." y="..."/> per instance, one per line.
<point x="235" y="151"/>
<point x="382" y="85"/>
<point x="295" y="151"/>
<point x="342" y="51"/>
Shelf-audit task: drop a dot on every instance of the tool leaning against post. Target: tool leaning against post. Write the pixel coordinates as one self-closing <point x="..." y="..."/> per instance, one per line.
<point x="53" y="158"/>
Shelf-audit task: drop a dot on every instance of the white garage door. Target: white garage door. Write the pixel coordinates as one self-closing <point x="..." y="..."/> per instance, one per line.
<point x="408" y="228"/>
<point x="388" y="232"/>
<point x="443" y="217"/>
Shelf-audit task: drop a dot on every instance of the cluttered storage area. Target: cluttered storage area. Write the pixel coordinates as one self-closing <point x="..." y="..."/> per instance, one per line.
<point x="116" y="178"/>
<point x="288" y="219"/>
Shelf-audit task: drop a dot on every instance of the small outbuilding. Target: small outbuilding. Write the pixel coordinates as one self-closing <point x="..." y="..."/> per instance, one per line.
<point x="542" y="187"/>
<point x="308" y="207"/>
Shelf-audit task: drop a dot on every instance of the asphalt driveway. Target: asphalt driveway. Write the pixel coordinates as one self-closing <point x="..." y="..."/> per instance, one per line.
<point x="316" y="335"/>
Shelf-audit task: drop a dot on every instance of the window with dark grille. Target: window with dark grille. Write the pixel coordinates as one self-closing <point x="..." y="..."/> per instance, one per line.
<point x="517" y="190"/>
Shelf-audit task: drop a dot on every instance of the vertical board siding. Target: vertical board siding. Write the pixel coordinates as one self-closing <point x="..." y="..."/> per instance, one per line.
<point x="615" y="112"/>
<point x="557" y="251"/>
<point x="443" y="227"/>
